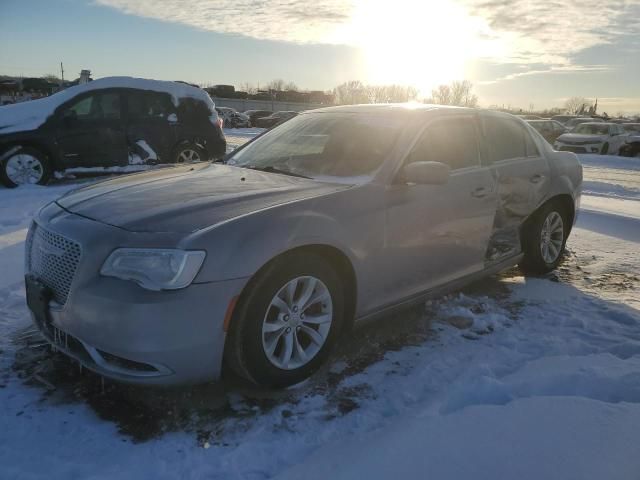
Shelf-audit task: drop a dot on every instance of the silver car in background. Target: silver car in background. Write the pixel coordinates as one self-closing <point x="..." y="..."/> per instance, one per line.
<point x="263" y="263"/>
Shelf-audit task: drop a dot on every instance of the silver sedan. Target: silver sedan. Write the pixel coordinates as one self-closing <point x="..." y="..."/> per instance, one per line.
<point x="262" y="263"/>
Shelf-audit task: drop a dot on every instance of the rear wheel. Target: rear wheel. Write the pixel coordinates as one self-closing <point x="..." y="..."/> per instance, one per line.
<point x="544" y="239"/>
<point x="25" y="166"/>
<point x="287" y="322"/>
<point x="188" y="153"/>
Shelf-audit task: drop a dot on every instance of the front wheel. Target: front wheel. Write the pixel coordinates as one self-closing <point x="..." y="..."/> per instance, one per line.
<point x="287" y="322"/>
<point x="25" y="166"/>
<point x="605" y="149"/>
<point x="544" y="240"/>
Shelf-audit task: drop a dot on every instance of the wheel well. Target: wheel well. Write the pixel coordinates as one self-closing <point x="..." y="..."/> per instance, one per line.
<point x="31" y="144"/>
<point x="338" y="260"/>
<point x="564" y="202"/>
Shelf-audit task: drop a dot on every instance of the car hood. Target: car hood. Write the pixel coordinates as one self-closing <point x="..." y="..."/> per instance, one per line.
<point x="189" y="198"/>
<point x="581" y="138"/>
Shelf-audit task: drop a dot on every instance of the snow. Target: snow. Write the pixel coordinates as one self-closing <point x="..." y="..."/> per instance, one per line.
<point x="515" y="377"/>
<point x="30" y="115"/>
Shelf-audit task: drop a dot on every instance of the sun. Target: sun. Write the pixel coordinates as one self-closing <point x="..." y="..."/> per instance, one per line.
<point x="413" y="42"/>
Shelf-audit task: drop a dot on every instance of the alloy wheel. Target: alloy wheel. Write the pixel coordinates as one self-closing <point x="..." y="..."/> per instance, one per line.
<point x="24" y="169"/>
<point x="551" y="237"/>
<point x="188" y="155"/>
<point x="297" y="322"/>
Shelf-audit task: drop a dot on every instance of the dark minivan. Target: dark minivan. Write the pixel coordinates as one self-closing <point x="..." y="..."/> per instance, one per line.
<point x="115" y="121"/>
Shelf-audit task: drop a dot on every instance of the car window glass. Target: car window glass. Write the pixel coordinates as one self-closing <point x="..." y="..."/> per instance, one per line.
<point x="452" y="141"/>
<point x="99" y="106"/>
<point x="149" y="105"/>
<point x="323" y="144"/>
<point x="505" y="138"/>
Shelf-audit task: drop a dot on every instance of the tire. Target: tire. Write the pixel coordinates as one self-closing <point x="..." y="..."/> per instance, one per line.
<point x="542" y="250"/>
<point x="27" y="165"/>
<point x="258" y="325"/>
<point x="605" y="149"/>
<point x="187" y="152"/>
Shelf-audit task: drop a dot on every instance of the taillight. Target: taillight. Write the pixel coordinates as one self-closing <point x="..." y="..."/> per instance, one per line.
<point x="220" y="122"/>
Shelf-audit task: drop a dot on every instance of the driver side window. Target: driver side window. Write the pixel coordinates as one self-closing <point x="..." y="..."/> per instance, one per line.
<point x="452" y="141"/>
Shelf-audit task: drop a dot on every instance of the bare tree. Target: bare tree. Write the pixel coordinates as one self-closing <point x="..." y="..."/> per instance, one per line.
<point x="351" y="93"/>
<point x="276" y="84"/>
<point x="249" y="88"/>
<point x="457" y="93"/>
<point x="577" y="105"/>
<point x="390" y="93"/>
<point x="290" y="86"/>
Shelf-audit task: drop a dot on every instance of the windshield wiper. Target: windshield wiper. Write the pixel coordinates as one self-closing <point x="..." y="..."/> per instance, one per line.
<point x="272" y="169"/>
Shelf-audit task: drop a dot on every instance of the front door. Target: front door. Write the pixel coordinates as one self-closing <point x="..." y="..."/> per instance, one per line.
<point x="438" y="233"/>
<point x="90" y="131"/>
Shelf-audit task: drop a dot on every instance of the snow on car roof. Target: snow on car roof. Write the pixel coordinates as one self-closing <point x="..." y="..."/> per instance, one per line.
<point x="30" y="115"/>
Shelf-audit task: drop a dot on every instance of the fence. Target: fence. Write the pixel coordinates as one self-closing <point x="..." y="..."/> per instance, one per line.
<point x="274" y="106"/>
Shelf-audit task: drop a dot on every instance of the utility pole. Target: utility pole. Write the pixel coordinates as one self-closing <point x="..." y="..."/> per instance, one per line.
<point x="61" y="76"/>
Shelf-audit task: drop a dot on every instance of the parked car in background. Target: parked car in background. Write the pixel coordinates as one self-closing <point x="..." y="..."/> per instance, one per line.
<point x="112" y="121"/>
<point x="632" y="128"/>
<point x="337" y="215"/>
<point x="256" y="114"/>
<point x="631" y="148"/>
<point x="563" y="119"/>
<point x="274" y="119"/>
<point x="231" y="118"/>
<point x="592" y="137"/>
<point x="530" y="117"/>
<point x="574" y="122"/>
<point x="549" y="129"/>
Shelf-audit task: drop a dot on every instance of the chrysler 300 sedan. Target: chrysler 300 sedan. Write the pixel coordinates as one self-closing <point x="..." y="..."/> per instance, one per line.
<point x="261" y="264"/>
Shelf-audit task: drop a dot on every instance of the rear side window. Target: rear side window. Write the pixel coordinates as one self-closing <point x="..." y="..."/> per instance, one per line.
<point x="507" y="139"/>
<point x="143" y="105"/>
<point x="452" y="141"/>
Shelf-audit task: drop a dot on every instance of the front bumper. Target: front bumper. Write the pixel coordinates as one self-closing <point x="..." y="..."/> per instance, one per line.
<point x="122" y="331"/>
<point x="583" y="148"/>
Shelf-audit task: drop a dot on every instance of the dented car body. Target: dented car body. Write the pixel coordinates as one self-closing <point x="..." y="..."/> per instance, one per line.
<point x="394" y="238"/>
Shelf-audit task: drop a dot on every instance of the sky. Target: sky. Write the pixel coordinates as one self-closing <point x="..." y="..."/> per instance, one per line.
<point x="517" y="53"/>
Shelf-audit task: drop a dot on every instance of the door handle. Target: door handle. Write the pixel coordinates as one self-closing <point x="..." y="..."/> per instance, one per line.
<point x="537" y="178"/>
<point x="479" y="192"/>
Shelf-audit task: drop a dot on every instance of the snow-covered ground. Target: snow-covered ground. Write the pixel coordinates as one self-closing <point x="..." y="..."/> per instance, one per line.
<point x="514" y="378"/>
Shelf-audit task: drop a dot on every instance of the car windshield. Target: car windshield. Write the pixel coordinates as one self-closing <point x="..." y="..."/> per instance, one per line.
<point x="323" y="145"/>
<point x="632" y="127"/>
<point x="591" y="129"/>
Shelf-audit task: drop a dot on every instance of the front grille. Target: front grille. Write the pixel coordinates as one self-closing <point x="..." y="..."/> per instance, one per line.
<point x="53" y="259"/>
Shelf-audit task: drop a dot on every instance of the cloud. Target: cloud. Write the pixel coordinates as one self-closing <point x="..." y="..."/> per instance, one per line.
<point x="553" y="31"/>
<point x="547" y="32"/>
<point x="280" y="20"/>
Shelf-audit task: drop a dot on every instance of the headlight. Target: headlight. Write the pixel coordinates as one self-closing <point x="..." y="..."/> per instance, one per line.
<point x="154" y="269"/>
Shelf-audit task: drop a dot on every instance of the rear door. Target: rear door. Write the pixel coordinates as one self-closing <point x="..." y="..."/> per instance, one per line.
<point x="522" y="177"/>
<point x="438" y="233"/>
<point x="90" y="130"/>
<point x="151" y="133"/>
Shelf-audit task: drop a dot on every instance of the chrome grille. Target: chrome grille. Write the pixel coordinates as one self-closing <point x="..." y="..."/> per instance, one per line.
<point x="53" y="259"/>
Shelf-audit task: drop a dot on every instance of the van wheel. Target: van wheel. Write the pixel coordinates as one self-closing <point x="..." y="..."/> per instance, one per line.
<point x="287" y="322"/>
<point x="544" y="239"/>
<point x="605" y="149"/>
<point x="25" y="166"/>
<point x="188" y="152"/>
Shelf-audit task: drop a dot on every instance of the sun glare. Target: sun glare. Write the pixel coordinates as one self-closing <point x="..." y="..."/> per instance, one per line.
<point x="413" y="42"/>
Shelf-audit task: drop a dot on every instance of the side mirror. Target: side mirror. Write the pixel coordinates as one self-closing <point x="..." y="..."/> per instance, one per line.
<point x="426" y="173"/>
